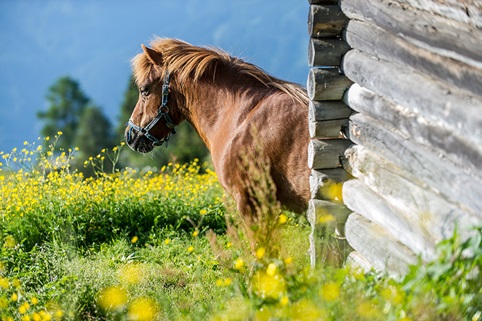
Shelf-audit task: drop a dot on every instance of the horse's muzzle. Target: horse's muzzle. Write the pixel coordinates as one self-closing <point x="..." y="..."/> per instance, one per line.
<point x="137" y="142"/>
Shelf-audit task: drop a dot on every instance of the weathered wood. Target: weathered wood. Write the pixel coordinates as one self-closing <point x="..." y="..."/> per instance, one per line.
<point x="466" y="11"/>
<point x="459" y="184"/>
<point x="327" y="220"/>
<point x="356" y="260"/>
<point x="328" y="128"/>
<point x="327" y="110"/>
<point x="323" y="184"/>
<point x="328" y="214"/>
<point x="361" y="199"/>
<point x="378" y="246"/>
<point x="406" y="194"/>
<point x="420" y="129"/>
<point x="391" y="47"/>
<point x="450" y="107"/>
<point x="325" y="20"/>
<point x="326" y="51"/>
<point x="326" y="84"/>
<point x="445" y="36"/>
<point x="325" y="154"/>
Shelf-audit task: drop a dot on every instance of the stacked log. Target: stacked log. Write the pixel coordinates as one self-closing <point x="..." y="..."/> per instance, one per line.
<point x="395" y="115"/>
<point x="328" y="123"/>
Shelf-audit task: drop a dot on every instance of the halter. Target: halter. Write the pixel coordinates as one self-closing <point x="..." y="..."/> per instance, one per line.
<point x="163" y="112"/>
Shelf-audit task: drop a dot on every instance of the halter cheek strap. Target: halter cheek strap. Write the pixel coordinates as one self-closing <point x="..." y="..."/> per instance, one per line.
<point x="162" y="113"/>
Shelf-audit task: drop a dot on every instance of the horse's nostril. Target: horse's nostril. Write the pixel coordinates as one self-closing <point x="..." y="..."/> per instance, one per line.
<point x="129" y="135"/>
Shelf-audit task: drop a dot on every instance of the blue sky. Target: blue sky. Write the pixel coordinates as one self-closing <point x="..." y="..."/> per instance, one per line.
<point x="92" y="41"/>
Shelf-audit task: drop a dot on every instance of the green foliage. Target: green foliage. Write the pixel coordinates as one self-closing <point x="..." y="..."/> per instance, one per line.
<point x="155" y="246"/>
<point x="67" y="103"/>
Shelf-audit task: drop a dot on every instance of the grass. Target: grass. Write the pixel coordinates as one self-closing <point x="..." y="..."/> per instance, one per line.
<point x="157" y="246"/>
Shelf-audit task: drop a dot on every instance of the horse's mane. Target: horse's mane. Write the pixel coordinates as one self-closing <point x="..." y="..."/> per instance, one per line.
<point x="190" y="63"/>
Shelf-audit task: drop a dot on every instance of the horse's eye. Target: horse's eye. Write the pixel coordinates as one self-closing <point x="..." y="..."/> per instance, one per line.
<point x="144" y="91"/>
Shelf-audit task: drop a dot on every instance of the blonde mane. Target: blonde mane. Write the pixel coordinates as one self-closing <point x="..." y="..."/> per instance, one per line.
<point x="190" y="63"/>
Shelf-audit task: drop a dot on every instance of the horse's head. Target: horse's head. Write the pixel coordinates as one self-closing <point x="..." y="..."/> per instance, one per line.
<point x="153" y="119"/>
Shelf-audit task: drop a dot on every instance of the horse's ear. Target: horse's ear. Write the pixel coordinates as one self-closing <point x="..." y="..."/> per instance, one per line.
<point x="152" y="55"/>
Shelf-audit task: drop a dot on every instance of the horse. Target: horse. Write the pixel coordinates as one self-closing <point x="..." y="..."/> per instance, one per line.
<point x="234" y="106"/>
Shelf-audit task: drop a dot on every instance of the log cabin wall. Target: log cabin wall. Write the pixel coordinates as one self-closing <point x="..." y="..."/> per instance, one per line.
<point x="396" y="117"/>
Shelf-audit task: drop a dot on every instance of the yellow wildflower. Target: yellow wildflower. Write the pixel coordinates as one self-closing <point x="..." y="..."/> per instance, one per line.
<point x="142" y="309"/>
<point x="260" y="252"/>
<point x="239" y="264"/>
<point x="283" y="219"/>
<point x="134" y="239"/>
<point x="330" y="291"/>
<point x="113" y="298"/>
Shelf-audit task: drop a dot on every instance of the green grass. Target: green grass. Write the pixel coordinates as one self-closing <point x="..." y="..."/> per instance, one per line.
<point x="158" y="246"/>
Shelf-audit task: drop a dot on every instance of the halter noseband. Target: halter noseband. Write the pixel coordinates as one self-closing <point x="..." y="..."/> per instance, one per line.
<point x="163" y="112"/>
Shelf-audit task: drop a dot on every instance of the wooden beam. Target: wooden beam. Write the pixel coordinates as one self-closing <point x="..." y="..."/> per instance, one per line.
<point x="326" y="154"/>
<point x="416" y="126"/>
<point x="326" y="51"/>
<point x="390" y="47"/>
<point x="326" y="84"/>
<point x="325" y="20"/>
<point x="466" y="11"/>
<point x="323" y="184"/>
<point x="436" y="101"/>
<point x="327" y="241"/>
<point x="459" y="184"/>
<point x="327" y="110"/>
<point x="356" y="260"/>
<point x="438" y="34"/>
<point x="328" y="128"/>
<point x="361" y="199"/>
<point x="408" y="195"/>
<point x="378" y="246"/>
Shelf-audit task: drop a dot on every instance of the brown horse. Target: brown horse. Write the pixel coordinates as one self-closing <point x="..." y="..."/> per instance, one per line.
<point x="223" y="98"/>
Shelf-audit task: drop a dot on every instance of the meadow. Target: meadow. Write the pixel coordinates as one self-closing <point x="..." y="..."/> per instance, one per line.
<point x="167" y="244"/>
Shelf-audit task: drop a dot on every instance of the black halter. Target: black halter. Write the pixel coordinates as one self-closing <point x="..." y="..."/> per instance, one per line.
<point x="163" y="112"/>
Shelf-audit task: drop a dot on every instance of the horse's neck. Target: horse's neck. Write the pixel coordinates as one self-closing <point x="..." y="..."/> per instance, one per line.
<point x="217" y="109"/>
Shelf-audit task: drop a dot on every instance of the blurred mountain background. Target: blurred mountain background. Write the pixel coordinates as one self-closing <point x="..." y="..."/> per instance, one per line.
<point x="90" y="43"/>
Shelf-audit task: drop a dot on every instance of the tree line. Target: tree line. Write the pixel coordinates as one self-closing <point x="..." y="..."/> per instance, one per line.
<point x="84" y="125"/>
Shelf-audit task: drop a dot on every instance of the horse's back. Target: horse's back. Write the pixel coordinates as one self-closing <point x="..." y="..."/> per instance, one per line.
<point x="275" y="131"/>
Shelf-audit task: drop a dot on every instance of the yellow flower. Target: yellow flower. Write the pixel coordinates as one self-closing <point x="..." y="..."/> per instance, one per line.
<point x="4" y="283"/>
<point x="260" y="252"/>
<point x="269" y="286"/>
<point x="36" y="316"/>
<point x="34" y="301"/>
<point x="190" y="249"/>
<point x="195" y="233"/>
<point x="58" y="314"/>
<point x="113" y="298"/>
<point x="283" y="219"/>
<point x="142" y="309"/>
<point x="271" y="269"/>
<point x="134" y="239"/>
<point x="203" y="212"/>
<point x="239" y="263"/>
<point x="330" y="291"/>
<point x="10" y="242"/>
<point x="284" y="301"/>
<point x="167" y="241"/>
<point x="14" y="297"/>
<point x="288" y="260"/>
<point x="59" y="133"/>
